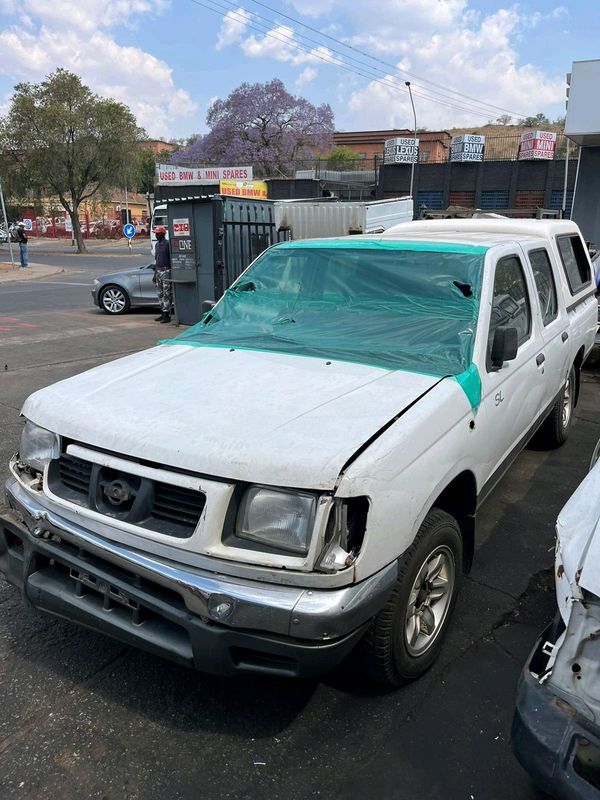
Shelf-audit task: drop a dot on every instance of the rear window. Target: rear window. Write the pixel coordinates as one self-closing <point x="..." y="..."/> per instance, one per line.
<point x="575" y="261"/>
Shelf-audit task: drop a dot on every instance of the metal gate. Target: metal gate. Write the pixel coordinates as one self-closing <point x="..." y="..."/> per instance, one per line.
<point x="244" y="231"/>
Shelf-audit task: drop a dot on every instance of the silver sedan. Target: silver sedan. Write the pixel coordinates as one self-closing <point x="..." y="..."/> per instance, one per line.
<point x="117" y="292"/>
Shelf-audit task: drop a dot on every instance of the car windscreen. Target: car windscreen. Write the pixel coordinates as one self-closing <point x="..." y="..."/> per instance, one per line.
<point x="396" y="305"/>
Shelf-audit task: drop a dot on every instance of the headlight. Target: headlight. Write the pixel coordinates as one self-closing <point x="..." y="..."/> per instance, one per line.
<point x="96" y="282"/>
<point x="277" y="518"/>
<point x="38" y="446"/>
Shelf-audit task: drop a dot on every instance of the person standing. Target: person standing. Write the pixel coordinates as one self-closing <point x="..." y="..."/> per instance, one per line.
<point x="22" y="240"/>
<point x="162" y="274"/>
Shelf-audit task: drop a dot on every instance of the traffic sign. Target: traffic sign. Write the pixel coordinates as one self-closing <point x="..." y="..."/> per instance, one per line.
<point x="129" y="230"/>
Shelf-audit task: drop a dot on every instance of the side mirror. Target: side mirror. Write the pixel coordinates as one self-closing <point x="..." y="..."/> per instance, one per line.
<point x="504" y="346"/>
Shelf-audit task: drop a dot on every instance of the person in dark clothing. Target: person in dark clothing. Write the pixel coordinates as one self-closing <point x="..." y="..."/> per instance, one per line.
<point x="162" y="274"/>
<point x="22" y="240"/>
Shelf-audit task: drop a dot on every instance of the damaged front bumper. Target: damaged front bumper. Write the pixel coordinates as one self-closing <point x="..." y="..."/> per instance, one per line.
<point x="212" y="622"/>
<point x="555" y="741"/>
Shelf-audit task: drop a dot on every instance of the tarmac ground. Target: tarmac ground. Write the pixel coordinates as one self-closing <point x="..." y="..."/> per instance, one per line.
<point x="86" y="717"/>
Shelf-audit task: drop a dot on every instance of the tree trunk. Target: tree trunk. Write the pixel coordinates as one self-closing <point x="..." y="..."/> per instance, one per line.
<point x="74" y="214"/>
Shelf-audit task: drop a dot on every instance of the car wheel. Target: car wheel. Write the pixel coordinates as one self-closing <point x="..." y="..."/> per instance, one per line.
<point x="555" y="428"/>
<point x="114" y="300"/>
<point x="406" y="636"/>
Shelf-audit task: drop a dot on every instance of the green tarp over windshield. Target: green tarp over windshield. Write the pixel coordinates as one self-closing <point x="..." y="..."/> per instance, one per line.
<point x="392" y="304"/>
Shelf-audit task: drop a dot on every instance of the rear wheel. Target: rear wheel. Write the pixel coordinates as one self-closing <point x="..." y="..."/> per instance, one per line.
<point x="406" y="636"/>
<point x="114" y="300"/>
<point x="555" y="428"/>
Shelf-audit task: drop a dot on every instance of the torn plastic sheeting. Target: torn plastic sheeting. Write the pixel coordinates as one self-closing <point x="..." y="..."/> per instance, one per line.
<point x="395" y="305"/>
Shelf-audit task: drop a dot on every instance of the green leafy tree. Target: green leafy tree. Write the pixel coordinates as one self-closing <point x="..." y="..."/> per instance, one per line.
<point x="533" y="122"/>
<point x="67" y="141"/>
<point x="146" y="163"/>
<point x="342" y="158"/>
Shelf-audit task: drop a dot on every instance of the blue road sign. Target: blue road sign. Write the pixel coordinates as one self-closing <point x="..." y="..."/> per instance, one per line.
<point x="129" y="230"/>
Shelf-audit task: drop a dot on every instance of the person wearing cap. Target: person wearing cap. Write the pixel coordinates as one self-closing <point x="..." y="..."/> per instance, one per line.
<point x="22" y="240"/>
<point x="162" y="274"/>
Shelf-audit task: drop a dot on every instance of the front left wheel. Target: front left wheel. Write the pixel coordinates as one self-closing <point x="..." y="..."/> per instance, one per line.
<point x="406" y="636"/>
<point x="114" y="300"/>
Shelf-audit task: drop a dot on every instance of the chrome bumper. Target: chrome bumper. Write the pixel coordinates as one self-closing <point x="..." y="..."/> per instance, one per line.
<point x="33" y="540"/>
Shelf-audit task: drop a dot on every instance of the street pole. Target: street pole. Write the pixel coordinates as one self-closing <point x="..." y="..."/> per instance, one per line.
<point x="127" y="218"/>
<point x="12" y="259"/>
<point x="412" y="166"/>
<point x="564" y="199"/>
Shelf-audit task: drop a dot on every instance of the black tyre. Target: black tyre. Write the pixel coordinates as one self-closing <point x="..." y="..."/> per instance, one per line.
<point x="406" y="636"/>
<point x="114" y="299"/>
<point x="555" y="428"/>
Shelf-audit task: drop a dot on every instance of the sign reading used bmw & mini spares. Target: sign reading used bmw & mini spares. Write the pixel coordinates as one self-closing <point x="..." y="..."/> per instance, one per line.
<point x="537" y="145"/>
<point x="259" y="190"/>
<point x="181" y="227"/>
<point x="170" y="175"/>
<point x="467" y="147"/>
<point x="402" y="150"/>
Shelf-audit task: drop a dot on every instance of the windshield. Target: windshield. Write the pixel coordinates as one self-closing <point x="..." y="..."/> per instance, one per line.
<point x="396" y="305"/>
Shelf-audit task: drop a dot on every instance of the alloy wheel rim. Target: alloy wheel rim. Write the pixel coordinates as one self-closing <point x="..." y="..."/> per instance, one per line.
<point x="567" y="403"/>
<point x="429" y="601"/>
<point x="113" y="300"/>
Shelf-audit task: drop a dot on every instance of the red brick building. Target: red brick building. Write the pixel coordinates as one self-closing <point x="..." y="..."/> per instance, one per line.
<point x="433" y="145"/>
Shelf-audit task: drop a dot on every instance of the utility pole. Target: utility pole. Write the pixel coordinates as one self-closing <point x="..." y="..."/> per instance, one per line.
<point x="12" y="258"/>
<point x="412" y="166"/>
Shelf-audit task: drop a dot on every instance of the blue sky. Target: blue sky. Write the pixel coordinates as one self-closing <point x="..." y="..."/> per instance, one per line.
<point x="469" y="60"/>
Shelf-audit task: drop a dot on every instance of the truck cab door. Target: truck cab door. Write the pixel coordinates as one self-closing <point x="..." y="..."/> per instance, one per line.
<point x="513" y="394"/>
<point x="554" y="323"/>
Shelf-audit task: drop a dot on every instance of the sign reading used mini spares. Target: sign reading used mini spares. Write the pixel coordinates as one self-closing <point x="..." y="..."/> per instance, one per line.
<point x="402" y="150"/>
<point x="169" y="175"/>
<point x="535" y="145"/>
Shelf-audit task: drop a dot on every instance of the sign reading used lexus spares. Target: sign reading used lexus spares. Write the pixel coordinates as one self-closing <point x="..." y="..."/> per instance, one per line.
<point x="467" y="147"/>
<point x="537" y="145"/>
<point x="256" y="189"/>
<point x="402" y="150"/>
<point x="169" y="175"/>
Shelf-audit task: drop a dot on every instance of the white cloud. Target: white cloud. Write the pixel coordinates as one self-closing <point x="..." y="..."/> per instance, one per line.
<point x="307" y="75"/>
<point x="281" y="44"/>
<point x="85" y="46"/>
<point x="447" y="42"/>
<point x="233" y="27"/>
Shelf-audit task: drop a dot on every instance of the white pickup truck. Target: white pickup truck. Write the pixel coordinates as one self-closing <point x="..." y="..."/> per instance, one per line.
<point x="300" y="472"/>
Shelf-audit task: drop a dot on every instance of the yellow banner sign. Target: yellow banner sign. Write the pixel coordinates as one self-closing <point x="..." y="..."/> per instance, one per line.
<point x="256" y="189"/>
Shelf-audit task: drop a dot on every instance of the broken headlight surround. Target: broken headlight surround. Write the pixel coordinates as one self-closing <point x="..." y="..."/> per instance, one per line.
<point x="277" y="518"/>
<point x="344" y="534"/>
<point x="38" y="446"/>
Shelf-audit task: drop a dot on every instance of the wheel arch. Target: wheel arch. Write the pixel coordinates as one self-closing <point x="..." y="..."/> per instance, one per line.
<point x="459" y="499"/>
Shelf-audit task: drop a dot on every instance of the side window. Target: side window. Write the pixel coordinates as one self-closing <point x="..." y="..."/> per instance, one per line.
<point x="510" y="305"/>
<point x="575" y="261"/>
<point x="545" y="285"/>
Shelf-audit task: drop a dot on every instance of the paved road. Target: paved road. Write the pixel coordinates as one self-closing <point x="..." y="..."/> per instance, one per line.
<point x="84" y="717"/>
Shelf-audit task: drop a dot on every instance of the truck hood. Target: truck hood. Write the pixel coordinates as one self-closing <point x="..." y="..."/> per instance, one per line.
<point x="236" y="414"/>
<point x="578" y="543"/>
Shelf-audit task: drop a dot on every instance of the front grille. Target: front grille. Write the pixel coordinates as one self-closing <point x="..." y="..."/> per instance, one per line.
<point x="152" y="505"/>
<point x="184" y="506"/>
<point x="75" y="474"/>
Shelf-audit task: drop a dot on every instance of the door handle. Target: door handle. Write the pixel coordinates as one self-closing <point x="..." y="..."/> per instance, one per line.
<point x="564" y="336"/>
<point x="540" y="359"/>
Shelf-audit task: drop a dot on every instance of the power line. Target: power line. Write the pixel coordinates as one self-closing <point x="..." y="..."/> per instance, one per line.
<point x="379" y="60"/>
<point x="388" y="81"/>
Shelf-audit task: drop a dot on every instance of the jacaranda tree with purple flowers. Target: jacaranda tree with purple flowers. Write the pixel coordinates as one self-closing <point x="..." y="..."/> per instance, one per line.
<point x="264" y="125"/>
